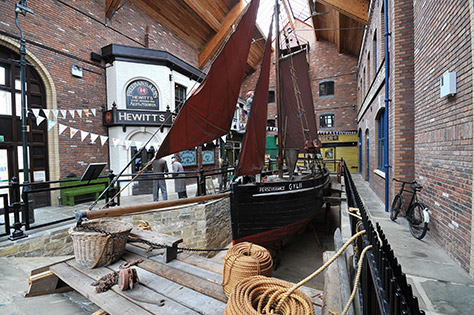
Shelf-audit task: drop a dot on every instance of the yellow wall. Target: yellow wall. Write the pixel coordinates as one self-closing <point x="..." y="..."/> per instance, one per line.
<point x="348" y="153"/>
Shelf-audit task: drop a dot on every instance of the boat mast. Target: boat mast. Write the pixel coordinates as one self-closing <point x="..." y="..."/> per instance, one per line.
<point x="277" y="90"/>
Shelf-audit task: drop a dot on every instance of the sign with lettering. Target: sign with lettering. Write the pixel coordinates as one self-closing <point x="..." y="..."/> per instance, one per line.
<point x="125" y="117"/>
<point x="188" y="157"/>
<point x="142" y="94"/>
<point x="207" y="157"/>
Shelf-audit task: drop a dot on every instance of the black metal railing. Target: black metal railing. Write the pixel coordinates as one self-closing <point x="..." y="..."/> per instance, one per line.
<point x="383" y="285"/>
<point x="19" y="202"/>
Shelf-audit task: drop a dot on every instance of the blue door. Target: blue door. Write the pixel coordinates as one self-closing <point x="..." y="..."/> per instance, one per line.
<point x="368" y="159"/>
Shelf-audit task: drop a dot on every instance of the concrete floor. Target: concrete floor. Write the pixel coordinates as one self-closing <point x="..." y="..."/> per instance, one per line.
<point x="439" y="282"/>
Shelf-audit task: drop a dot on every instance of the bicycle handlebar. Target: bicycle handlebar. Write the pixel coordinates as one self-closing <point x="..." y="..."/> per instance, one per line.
<point x="401" y="181"/>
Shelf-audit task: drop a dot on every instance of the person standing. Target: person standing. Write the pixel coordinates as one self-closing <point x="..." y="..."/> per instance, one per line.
<point x="159" y="166"/>
<point x="179" y="180"/>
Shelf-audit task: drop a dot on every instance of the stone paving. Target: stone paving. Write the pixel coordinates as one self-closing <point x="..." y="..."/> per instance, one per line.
<point x="440" y="283"/>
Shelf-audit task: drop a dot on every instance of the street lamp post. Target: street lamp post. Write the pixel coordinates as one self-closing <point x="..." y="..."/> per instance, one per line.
<point x="21" y="8"/>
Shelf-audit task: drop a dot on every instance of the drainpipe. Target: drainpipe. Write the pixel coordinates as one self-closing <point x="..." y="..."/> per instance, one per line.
<point x="387" y="101"/>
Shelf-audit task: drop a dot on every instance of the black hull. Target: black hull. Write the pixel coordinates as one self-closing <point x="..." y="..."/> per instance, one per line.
<point x="268" y="212"/>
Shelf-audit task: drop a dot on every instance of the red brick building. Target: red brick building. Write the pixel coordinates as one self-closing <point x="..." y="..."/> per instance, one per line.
<point x="429" y="131"/>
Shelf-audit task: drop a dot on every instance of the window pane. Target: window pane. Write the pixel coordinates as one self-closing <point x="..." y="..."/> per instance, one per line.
<point x="3" y="79"/>
<point x="18" y="85"/>
<point x="5" y="103"/>
<point x="18" y="104"/>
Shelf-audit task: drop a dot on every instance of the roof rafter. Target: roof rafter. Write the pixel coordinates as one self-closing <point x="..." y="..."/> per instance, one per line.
<point x="213" y="45"/>
<point x="355" y="9"/>
<point x="110" y="7"/>
<point x="201" y="9"/>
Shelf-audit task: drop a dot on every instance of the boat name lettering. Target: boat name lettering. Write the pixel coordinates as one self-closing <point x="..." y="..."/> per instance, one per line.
<point x="274" y="188"/>
<point x="295" y="186"/>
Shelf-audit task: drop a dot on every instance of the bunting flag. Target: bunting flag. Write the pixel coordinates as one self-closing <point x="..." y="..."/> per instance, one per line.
<point x="84" y="135"/>
<point x="62" y="128"/>
<point x="46" y="112"/>
<point x="64" y="113"/>
<point x="39" y="120"/>
<point x="86" y="112"/>
<point x="103" y="139"/>
<point x="79" y="112"/>
<point x="51" y="124"/>
<point x="36" y="112"/>
<point x="93" y="110"/>
<point x="73" y="131"/>
<point x="71" y="111"/>
<point x="127" y="144"/>
<point x="55" y="113"/>
<point x="93" y="137"/>
<point x="115" y="142"/>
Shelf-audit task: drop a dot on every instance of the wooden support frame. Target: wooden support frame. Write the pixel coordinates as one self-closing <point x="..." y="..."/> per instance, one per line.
<point x="110" y="7"/>
<point x="355" y="9"/>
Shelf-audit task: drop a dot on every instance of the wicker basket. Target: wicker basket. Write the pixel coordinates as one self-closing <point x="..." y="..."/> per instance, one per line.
<point x="94" y="249"/>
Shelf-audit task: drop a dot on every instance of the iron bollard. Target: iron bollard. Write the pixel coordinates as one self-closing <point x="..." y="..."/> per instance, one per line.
<point x="16" y="206"/>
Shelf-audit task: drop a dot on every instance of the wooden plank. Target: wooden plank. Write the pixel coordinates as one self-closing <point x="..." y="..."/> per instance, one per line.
<point x="100" y="312"/>
<point x="184" y="278"/>
<point x="110" y="7"/>
<point x="201" y="262"/>
<point x="207" y="53"/>
<point x="45" y="283"/>
<point x="196" y="301"/>
<point x="109" y="301"/>
<point x="155" y="237"/>
<point x="141" y="295"/>
<point x="46" y="268"/>
<point x="355" y="9"/>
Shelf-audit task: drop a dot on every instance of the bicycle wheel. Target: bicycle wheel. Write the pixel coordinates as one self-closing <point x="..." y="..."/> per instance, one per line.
<point x="396" y="205"/>
<point x="417" y="221"/>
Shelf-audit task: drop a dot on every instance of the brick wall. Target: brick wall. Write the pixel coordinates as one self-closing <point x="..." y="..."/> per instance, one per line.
<point x="64" y="33"/>
<point x="443" y="126"/>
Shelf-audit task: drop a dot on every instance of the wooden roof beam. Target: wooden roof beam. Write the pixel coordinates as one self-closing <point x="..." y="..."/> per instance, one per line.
<point x="355" y="9"/>
<point x="213" y="45"/>
<point x="110" y="7"/>
<point x="338" y="32"/>
<point x="201" y="9"/>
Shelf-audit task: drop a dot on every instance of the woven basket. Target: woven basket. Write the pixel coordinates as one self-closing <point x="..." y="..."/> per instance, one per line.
<point x="94" y="249"/>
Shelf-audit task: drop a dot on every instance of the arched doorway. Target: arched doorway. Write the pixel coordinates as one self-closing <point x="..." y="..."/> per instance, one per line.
<point x="11" y="148"/>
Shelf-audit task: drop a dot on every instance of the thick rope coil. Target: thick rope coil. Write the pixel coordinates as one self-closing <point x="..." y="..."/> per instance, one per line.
<point x="259" y="295"/>
<point x="243" y="261"/>
<point x="144" y="225"/>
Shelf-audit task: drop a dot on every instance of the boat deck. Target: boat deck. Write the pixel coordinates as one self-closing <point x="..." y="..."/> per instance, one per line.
<point x="189" y="284"/>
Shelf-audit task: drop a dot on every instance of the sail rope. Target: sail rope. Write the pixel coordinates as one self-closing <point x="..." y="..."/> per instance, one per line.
<point x="263" y="295"/>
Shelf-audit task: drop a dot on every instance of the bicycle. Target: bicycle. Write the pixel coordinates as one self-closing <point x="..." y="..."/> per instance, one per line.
<point x="417" y="213"/>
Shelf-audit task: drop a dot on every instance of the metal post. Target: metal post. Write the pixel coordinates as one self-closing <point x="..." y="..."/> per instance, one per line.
<point x="16" y="205"/>
<point x="23" y="9"/>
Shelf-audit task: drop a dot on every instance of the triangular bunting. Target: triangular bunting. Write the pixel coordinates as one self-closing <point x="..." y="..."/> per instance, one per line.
<point x="71" y="111"/>
<point x="73" y="131"/>
<point x="64" y="113"/>
<point x="93" y="110"/>
<point x="35" y="111"/>
<point x="55" y="113"/>
<point x="84" y="135"/>
<point x="86" y="112"/>
<point x="62" y="128"/>
<point x="93" y="137"/>
<point x="103" y="139"/>
<point x="39" y="120"/>
<point x="46" y="112"/>
<point x="79" y="112"/>
<point x="51" y="124"/>
<point x="115" y="141"/>
<point x="128" y="143"/>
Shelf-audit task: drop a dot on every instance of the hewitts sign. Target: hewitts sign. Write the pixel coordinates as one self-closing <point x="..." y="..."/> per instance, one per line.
<point x="142" y="94"/>
<point x="125" y="117"/>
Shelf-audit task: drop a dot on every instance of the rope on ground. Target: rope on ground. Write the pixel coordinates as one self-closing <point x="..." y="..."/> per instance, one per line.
<point x="245" y="260"/>
<point x="262" y="295"/>
<point x="144" y="225"/>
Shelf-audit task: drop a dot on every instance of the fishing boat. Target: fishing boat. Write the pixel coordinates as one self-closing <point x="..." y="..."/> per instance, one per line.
<point x="264" y="210"/>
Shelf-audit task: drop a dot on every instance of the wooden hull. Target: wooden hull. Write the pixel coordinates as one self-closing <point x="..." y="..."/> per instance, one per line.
<point x="268" y="212"/>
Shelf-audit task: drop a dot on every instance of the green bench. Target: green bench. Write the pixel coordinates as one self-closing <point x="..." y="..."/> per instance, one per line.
<point x="90" y="192"/>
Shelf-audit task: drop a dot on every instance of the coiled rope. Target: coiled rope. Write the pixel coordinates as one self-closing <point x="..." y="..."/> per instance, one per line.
<point x="270" y="296"/>
<point x="243" y="261"/>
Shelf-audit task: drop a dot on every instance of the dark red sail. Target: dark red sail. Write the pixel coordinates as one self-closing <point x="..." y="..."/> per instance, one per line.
<point x="208" y="113"/>
<point x="298" y="123"/>
<point x="252" y="155"/>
